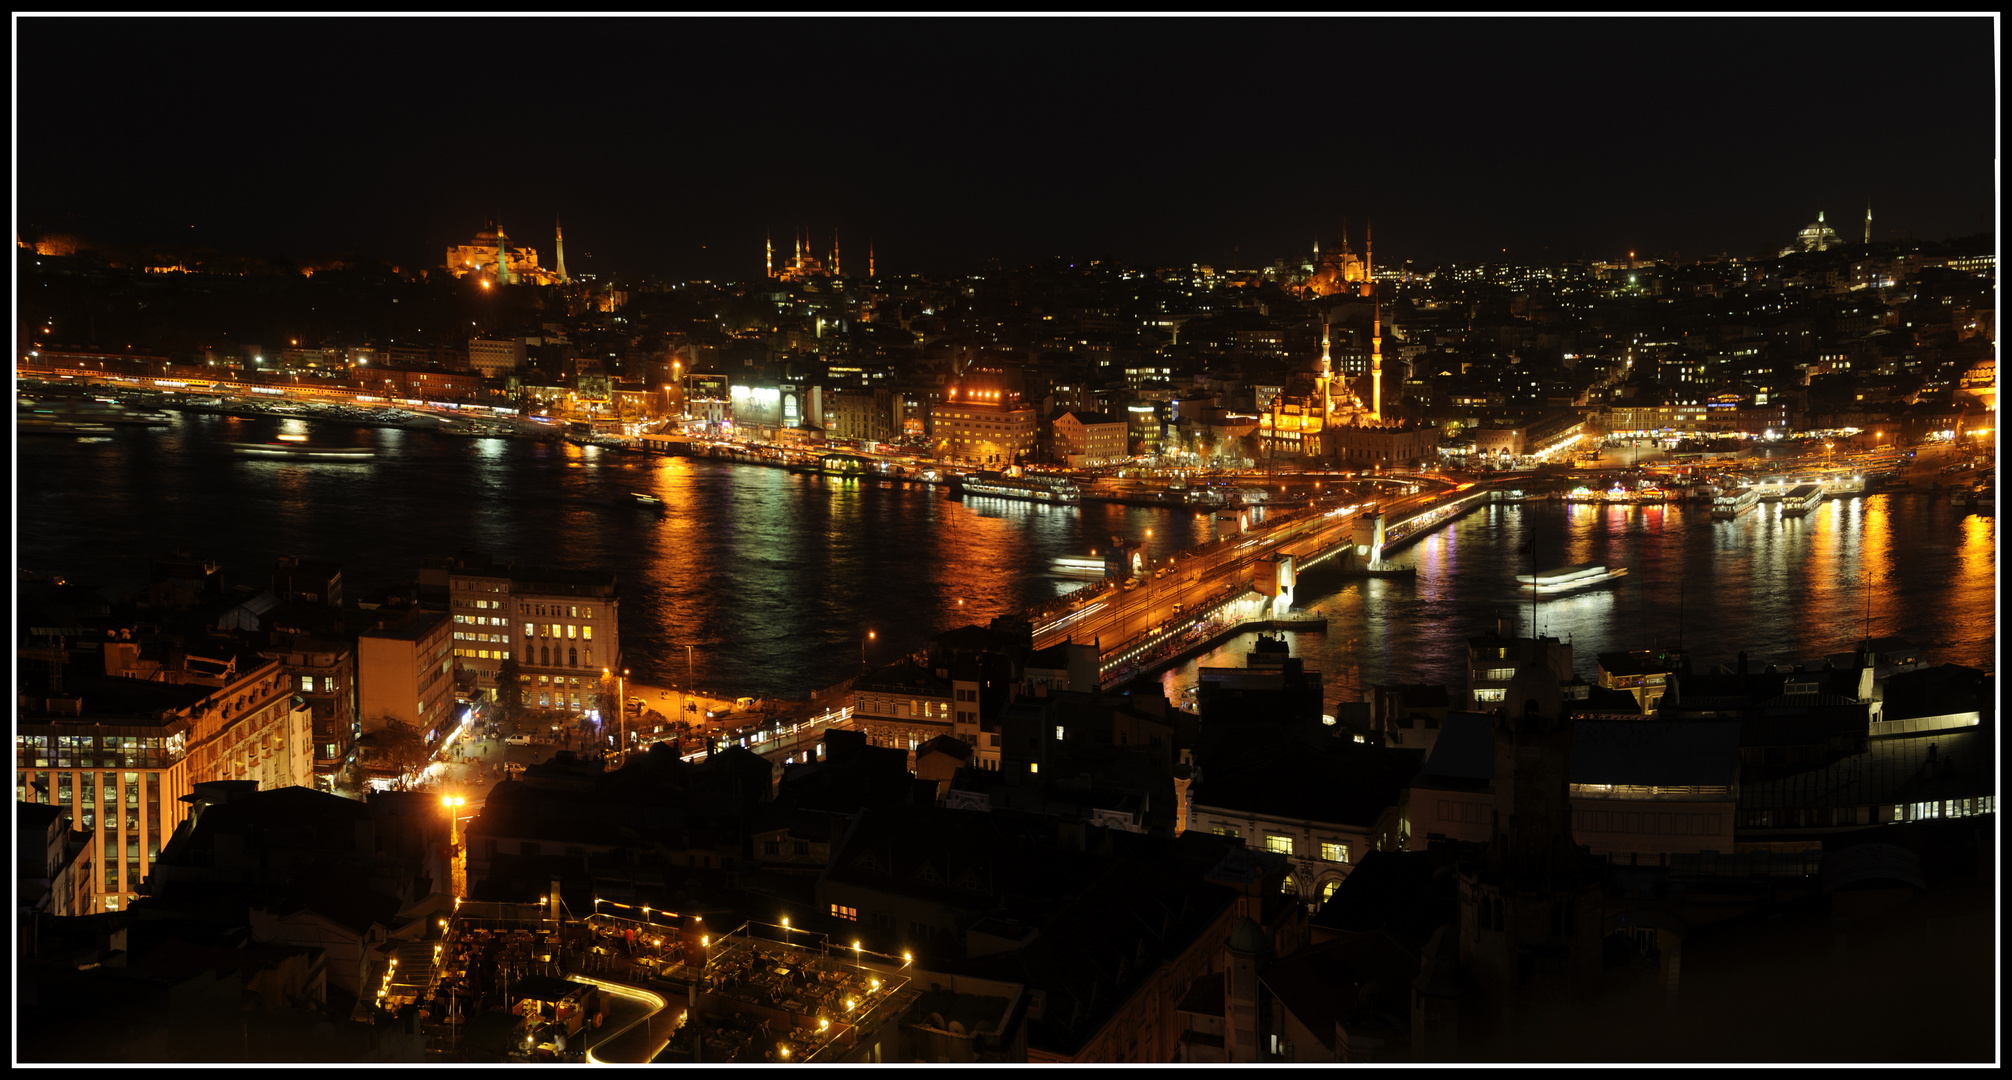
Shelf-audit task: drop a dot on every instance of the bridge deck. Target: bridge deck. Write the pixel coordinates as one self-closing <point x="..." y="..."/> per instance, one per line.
<point x="1138" y="618"/>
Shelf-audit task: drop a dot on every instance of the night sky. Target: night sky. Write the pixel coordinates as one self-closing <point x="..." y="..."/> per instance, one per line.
<point x="668" y="146"/>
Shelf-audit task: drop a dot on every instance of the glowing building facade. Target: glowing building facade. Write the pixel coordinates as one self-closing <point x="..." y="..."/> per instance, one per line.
<point x="491" y="254"/>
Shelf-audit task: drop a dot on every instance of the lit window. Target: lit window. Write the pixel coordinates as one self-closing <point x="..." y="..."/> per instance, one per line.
<point x="1058" y="733"/>
<point x="1491" y="695"/>
<point x="1334" y="852"/>
<point x="1033" y="766"/>
<point x="1280" y="844"/>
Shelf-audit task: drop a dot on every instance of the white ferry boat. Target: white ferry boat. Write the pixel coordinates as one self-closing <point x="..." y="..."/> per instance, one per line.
<point x="1568" y="578"/>
<point x="1086" y="569"/>
<point x="1801" y="500"/>
<point x="297" y="448"/>
<point x="1734" y="503"/>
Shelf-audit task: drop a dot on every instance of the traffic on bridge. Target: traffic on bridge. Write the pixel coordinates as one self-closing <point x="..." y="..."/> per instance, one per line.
<point x="1165" y="599"/>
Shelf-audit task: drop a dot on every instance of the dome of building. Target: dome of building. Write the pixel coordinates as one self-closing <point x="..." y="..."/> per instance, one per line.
<point x="1249" y="938"/>
<point x="1816" y="236"/>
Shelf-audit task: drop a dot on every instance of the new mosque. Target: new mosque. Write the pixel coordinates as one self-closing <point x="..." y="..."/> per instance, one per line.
<point x="1334" y="422"/>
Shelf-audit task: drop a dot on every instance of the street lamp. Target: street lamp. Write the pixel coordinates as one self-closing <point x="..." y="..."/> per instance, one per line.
<point x="862" y="647"/>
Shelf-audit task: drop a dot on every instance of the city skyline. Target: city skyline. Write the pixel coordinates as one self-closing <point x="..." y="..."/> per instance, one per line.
<point x="967" y="551"/>
<point x="673" y="147"/>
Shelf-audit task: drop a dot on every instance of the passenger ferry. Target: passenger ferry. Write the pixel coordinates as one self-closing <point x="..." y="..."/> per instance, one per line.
<point x="1567" y="578"/>
<point x="303" y="451"/>
<point x="1734" y="503"/>
<point x="1058" y="491"/>
<point x="1801" y="500"/>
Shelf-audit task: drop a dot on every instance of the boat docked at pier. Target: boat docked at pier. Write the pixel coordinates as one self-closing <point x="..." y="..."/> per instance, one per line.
<point x="1801" y="500"/>
<point x="1734" y="503"/>
<point x="473" y="428"/>
<point x="1569" y="578"/>
<point x="1055" y="490"/>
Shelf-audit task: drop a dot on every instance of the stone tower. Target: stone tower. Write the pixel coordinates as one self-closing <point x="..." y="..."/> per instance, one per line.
<point x="1248" y="951"/>
<point x="1530" y="904"/>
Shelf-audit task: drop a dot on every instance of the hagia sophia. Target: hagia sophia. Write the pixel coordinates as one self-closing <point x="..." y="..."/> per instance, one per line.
<point x="492" y="257"/>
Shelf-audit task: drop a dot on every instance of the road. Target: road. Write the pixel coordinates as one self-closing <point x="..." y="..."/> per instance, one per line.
<point x="1112" y="616"/>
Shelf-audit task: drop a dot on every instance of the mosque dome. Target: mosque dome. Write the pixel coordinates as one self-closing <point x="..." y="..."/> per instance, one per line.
<point x="1816" y="236"/>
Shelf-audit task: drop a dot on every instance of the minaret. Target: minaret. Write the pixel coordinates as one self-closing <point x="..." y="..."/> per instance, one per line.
<point x="503" y="274"/>
<point x="834" y="253"/>
<point x="799" y="249"/>
<point x="1868" y="222"/>
<point x="1326" y="373"/>
<point x="1375" y="323"/>
<point x="869" y="258"/>
<point x="1376" y="361"/>
<point x="559" y="247"/>
<point x="768" y="262"/>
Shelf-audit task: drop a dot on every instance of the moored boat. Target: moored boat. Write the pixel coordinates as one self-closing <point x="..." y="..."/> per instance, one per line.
<point x="1734" y="503"/>
<point x="1056" y="491"/>
<point x="1801" y="500"/>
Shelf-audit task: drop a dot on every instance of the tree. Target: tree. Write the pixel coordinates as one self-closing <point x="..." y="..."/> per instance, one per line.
<point x="509" y="689"/>
<point x="399" y="746"/>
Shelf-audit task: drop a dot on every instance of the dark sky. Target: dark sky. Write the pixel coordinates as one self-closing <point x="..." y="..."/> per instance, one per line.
<point x="669" y="145"/>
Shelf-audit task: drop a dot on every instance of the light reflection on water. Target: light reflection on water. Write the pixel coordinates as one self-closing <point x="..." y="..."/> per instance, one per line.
<point x="1784" y="590"/>
<point x="776" y="577"/>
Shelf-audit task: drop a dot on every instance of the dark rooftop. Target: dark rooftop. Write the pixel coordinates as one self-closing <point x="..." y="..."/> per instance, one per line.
<point x="1645" y="752"/>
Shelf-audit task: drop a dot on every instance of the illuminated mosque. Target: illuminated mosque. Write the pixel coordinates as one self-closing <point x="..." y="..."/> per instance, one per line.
<point x="492" y="258"/>
<point x="1817" y="236"/>
<point x="805" y="266"/>
<point x="1336" y="272"/>
<point x="1312" y="425"/>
